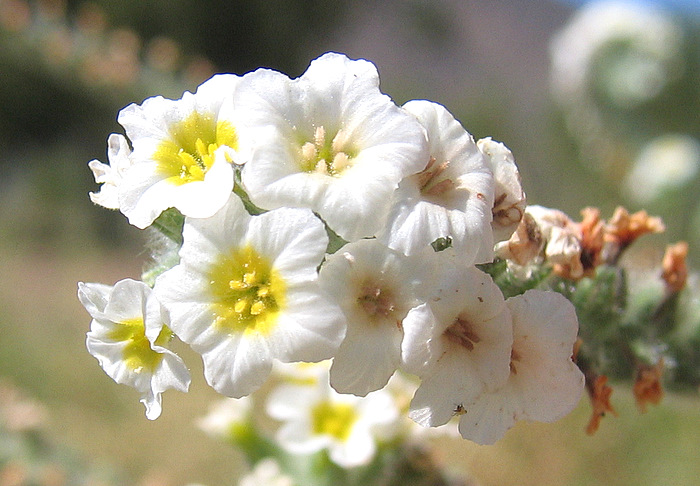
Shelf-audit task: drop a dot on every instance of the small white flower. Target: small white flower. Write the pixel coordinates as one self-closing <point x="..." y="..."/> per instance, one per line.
<point x="329" y="141"/>
<point x="302" y="372"/>
<point x="544" y="384"/>
<point x="632" y="51"/>
<point x="316" y="418"/>
<point x="509" y="198"/>
<point x="267" y="472"/>
<point x="451" y="196"/>
<point x="246" y="292"/>
<point x="110" y="176"/>
<point x="127" y="335"/>
<point x="225" y="415"/>
<point x="375" y="287"/>
<point x="458" y="343"/>
<point x="182" y="153"/>
<point x="667" y="165"/>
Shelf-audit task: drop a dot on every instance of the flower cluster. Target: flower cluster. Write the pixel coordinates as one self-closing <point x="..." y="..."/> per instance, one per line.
<point x="315" y="219"/>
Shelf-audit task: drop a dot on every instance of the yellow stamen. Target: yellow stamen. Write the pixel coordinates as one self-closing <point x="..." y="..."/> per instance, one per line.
<point x="248" y="293"/>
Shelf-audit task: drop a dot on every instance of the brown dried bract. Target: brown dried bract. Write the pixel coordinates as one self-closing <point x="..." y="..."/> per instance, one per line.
<point x="623" y="228"/>
<point x="675" y="270"/>
<point x="592" y="230"/>
<point x="600" y="393"/>
<point x="647" y="385"/>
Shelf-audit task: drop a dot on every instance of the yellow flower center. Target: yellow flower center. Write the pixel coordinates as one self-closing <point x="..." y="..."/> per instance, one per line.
<point x="189" y="154"/>
<point x="248" y="293"/>
<point x="138" y="354"/>
<point x="333" y="419"/>
<point x="326" y="155"/>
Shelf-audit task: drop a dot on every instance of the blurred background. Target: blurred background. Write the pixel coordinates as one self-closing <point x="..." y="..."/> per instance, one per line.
<point x="599" y="102"/>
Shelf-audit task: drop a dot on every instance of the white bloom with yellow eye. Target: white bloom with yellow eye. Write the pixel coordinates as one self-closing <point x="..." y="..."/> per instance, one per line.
<point x="127" y="336"/>
<point x="225" y="416"/>
<point x="183" y="152"/>
<point x="315" y="417"/>
<point x="329" y="141"/>
<point x="450" y="196"/>
<point x="246" y="292"/>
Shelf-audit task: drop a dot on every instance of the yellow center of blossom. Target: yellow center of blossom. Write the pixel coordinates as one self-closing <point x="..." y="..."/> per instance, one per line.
<point x="462" y="333"/>
<point x="326" y="155"/>
<point x="333" y="419"/>
<point x="248" y="293"/>
<point x="189" y="153"/>
<point x="138" y="354"/>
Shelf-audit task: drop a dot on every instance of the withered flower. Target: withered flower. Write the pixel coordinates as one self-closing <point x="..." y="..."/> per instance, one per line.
<point x="525" y="244"/>
<point x="675" y="270"/>
<point x="592" y="230"/>
<point x="600" y="393"/>
<point x="647" y="385"/>
<point x="624" y="228"/>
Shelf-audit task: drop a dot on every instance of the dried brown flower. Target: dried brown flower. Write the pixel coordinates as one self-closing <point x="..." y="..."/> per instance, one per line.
<point x="526" y="242"/>
<point x="624" y="228"/>
<point x="647" y="385"/>
<point x="675" y="270"/>
<point x="600" y="393"/>
<point x="592" y="230"/>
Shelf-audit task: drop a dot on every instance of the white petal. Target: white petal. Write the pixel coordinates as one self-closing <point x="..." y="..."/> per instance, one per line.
<point x="488" y="418"/>
<point x="94" y="297"/>
<point x="366" y="359"/>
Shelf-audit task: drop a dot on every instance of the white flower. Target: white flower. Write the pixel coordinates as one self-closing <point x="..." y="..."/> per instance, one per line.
<point x="451" y="196"/>
<point x="329" y="141"/>
<point x="316" y="418"/>
<point x="375" y="287"/>
<point x="225" y="415"/>
<point x="544" y="384"/>
<point x="183" y="151"/>
<point x="245" y="292"/>
<point x="458" y="343"/>
<point x="631" y="50"/>
<point x="509" y="197"/>
<point x="665" y="166"/>
<point x="127" y="335"/>
<point x="110" y="176"/>
<point x="267" y="472"/>
<point x="302" y="373"/>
